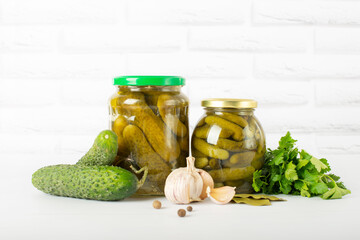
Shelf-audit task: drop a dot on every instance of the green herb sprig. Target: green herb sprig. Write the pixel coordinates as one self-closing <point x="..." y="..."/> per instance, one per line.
<point x="290" y="171"/>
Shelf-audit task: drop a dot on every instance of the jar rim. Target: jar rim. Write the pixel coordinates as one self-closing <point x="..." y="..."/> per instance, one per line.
<point x="148" y="80"/>
<point x="229" y="103"/>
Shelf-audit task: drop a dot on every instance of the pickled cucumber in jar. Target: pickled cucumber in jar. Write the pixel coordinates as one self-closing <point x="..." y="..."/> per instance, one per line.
<point x="229" y="142"/>
<point x="150" y="116"/>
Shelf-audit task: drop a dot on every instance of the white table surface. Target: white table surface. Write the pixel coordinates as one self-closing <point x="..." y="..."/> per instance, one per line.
<point x="26" y="213"/>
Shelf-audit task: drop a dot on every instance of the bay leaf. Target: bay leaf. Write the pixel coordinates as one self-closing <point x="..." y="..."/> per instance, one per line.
<point x="259" y="196"/>
<point x="253" y="202"/>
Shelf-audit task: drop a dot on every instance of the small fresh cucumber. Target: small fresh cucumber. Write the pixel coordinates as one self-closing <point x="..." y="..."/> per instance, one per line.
<point x="106" y="183"/>
<point x="103" y="151"/>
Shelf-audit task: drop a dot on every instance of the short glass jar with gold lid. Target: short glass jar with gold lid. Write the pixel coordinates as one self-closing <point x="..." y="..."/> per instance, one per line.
<point x="229" y="142"/>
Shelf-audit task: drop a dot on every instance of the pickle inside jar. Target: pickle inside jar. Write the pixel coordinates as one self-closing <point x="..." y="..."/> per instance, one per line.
<point x="150" y="139"/>
<point x="239" y="135"/>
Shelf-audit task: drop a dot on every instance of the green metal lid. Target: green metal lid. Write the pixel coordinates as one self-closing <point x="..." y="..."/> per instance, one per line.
<point x="149" y="80"/>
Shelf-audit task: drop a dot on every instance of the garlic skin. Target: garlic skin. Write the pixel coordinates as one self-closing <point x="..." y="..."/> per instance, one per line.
<point x="221" y="195"/>
<point x="207" y="182"/>
<point x="184" y="185"/>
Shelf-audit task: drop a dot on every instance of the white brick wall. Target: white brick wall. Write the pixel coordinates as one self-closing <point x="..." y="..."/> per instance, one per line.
<point x="335" y="40"/>
<point x="187" y="12"/>
<point x="248" y="39"/>
<point x="68" y="12"/>
<point x="332" y="12"/>
<point x="299" y="58"/>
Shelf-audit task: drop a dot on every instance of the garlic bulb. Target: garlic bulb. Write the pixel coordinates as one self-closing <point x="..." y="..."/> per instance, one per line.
<point x="185" y="185"/>
<point x="221" y="195"/>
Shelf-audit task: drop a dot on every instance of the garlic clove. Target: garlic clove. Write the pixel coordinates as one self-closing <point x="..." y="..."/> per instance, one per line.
<point x="207" y="182"/>
<point x="221" y="195"/>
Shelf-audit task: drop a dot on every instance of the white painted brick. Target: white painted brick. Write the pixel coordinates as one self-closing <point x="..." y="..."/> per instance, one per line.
<point x="307" y="67"/>
<point x="70" y="148"/>
<point x="27" y="143"/>
<point x="19" y="39"/>
<point x="334" y="144"/>
<point x="306" y="12"/>
<point x="337" y="40"/>
<point x="338" y="93"/>
<point x="56" y="119"/>
<point x="186" y="12"/>
<point x="281" y="94"/>
<point x="28" y="93"/>
<point x="195" y="113"/>
<point x="107" y="39"/>
<point x="59" y="66"/>
<point x="308" y="120"/>
<point x="59" y="12"/>
<point x="248" y="39"/>
<point x="76" y="144"/>
<point x="191" y="64"/>
<point x="85" y="93"/>
<point x="27" y="163"/>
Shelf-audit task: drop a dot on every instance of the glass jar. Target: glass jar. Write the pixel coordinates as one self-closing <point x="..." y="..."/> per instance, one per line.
<point x="229" y="142"/>
<point x="150" y="116"/>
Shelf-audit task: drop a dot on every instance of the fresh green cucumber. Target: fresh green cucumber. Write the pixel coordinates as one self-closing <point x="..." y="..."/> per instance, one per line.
<point x="103" y="151"/>
<point x="106" y="183"/>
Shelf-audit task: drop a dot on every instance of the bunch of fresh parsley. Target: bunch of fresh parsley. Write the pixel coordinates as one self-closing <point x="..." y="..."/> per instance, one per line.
<point x="290" y="171"/>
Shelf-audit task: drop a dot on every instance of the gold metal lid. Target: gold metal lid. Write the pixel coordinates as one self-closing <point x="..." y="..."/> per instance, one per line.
<point x="229" y="103"/>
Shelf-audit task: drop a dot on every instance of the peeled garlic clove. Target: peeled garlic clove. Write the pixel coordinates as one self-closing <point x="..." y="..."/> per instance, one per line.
<point x="207" y="182"/>
<point x="221" y="195"/>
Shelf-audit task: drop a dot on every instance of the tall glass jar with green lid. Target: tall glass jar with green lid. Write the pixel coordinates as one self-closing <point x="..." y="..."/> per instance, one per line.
<point x="229" y="142"/>
<point x="150" y="116"/>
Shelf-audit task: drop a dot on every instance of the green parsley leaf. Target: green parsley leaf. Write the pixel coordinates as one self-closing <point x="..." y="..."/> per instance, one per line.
<point x="341" y="185"/>
<point x="302" y="163"/>
<point x="285" y="186"/>
<point x="287" y="142"/>
<point x="319" y="188"/>
<point x="276" y="178"/>
<point x="304" y="191"/>
<point x="304" y="155"/>
<point x="319" y="165"/>
<point x="330" y="183"/>
<point x="310" y="178"/>
<point x="334" y="177"/>
<point x="278" y="159"/>
<point x="324" y="161"/>
<point x="298" y="184"/>
<point x="257" y="182"/>
<point x="335" y="193"/>
<point x="293" y="154"/>
<point x="290" y="173"/>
